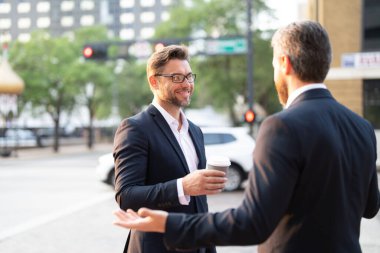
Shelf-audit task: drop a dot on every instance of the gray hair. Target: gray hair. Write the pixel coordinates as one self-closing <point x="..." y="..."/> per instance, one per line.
<point x="307" y="45"/>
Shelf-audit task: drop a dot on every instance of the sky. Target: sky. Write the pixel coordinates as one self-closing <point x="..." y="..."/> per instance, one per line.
<point x="286" y="12"/>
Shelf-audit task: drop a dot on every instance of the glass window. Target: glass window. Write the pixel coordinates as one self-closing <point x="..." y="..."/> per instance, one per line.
<point x="87" y="5"/>
<point x="67" y="5"/>
<point x="371" y="25"/>
<point x="24" y="37"/>
<point x="67" y="21"/>
<point x="87" y="20"/>
<point x="147" y="3"/>
<point x="43" y="22"/>
<point x="23" y="7"/>
<point x="147" y="32"/>
<point x="218" y="138"/>
<point x="5" y="7"/>
<point x="126" y="34"/>
<point x="127" y="18"/>
<point x="371" y="93"/>
<point x="5" y="23"/>
<point x="165" y="16"/>
<point x="24" y="23"/>
<point x="127" y="3"/>
<point x="147" y="17"/>
<point x="166" y="2"/>
<point x="43" y="7"/>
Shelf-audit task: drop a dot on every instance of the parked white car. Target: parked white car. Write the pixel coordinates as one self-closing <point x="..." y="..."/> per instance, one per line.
<point x="235" y="143"/>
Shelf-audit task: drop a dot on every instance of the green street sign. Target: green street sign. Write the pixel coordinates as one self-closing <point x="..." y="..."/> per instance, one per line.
<point x="226" y="46"/>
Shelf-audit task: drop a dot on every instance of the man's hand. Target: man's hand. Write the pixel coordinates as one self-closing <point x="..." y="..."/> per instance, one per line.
<point x="204" y="182"/>
<point x="146" y="220"/>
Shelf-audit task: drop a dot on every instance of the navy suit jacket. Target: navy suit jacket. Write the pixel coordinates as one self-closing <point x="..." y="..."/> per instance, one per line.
<point x="313" y="180"/>
<point x="148" y="162"/>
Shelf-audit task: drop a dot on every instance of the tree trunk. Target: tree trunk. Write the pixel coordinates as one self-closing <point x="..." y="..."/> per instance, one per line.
<point x="56" y="135"/>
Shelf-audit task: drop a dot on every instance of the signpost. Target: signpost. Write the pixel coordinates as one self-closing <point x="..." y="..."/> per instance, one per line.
<point x="226" y="46"/>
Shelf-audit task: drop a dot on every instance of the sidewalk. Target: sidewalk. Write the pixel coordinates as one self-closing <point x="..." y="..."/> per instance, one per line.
<point x="27" y="153"/>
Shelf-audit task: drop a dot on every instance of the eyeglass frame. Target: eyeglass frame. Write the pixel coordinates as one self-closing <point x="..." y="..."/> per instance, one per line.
<point x="194" y="76"/>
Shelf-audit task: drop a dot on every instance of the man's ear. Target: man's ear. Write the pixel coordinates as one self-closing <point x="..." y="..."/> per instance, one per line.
<point x="153" y="82"/>
<point x="286" y="65"/>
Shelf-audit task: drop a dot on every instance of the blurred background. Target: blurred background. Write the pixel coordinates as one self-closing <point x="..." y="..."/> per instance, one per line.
<point x="71" y="70"/>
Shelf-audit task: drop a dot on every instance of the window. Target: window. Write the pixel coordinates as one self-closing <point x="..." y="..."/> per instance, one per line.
<point x="67" y="5"/>
<point x="24" y="23"/>
<point x="166" y="2"/>
<point x="147" y="17"/>
<point x="5" y="23"/>
<point x="23" y="7"/>
<point x="165" y="16"/>
<point x="371" y="93"/>
<point x="87" y="20"/>
<point x="87" y="5"/>
<point x="147" y="32"/>
<point x="43" y="22"/>
<point x="127" y="34"/>
<point x="127" y="3"/>
<point x="67" y="21"/>
<point x="43" y="7"/>
<point x="127" y="18"/>
<point x="218" y="138"/>
<point x="5" y="7"/>
<point x="147" y="3"/>
<point x="24" y="37"/>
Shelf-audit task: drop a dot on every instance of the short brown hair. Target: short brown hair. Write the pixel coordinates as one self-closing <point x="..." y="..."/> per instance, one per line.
<point x="159" y="58"/>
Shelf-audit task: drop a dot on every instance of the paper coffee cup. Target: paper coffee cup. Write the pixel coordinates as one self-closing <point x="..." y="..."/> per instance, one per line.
<point x="220" y="163"/>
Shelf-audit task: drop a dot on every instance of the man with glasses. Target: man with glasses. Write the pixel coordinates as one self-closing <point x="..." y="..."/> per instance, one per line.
<point x="159" y="154"/>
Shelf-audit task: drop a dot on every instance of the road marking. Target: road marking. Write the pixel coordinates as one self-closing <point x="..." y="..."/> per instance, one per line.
<point x="53" y="216"/>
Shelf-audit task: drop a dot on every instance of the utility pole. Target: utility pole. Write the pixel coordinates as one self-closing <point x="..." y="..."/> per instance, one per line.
<point x="250" y="61"/>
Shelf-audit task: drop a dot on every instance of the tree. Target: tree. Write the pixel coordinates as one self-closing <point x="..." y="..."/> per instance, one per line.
<point x="44" y="64"/>
<point x="223" y="78"/>
<point x="95" y="79"/>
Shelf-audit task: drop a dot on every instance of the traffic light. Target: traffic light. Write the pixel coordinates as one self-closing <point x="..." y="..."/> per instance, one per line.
<point x="95" y="51"/>
<point x="249" y="116"/>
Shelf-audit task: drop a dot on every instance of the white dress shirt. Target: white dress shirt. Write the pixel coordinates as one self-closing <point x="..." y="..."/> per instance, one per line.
<point x="184" y="140"/>
<point x="301" y="90"/>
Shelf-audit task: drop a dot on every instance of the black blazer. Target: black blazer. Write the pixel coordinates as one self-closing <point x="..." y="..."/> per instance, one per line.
<point x="314" y="178"/>
<point x="148" y="162"/>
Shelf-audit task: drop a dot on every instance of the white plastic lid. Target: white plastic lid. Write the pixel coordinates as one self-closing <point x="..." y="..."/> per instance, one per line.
<point x="219" y="161"/>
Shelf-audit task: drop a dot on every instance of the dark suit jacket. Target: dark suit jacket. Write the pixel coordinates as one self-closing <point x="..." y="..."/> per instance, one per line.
<point x="314" y="178"/>
<point x="148" y="162"/>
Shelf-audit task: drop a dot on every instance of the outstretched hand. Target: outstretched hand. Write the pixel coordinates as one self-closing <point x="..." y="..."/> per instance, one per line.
<point x="145" y="219"/>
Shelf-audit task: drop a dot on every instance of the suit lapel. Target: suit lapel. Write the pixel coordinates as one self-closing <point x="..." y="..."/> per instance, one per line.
<point x="198" y="146"/>
<point x="165" y="128"/>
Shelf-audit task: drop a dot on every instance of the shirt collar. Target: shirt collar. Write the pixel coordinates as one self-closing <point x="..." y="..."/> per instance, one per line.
<point x="301" y="90"/>
<point x="169" y="118"/>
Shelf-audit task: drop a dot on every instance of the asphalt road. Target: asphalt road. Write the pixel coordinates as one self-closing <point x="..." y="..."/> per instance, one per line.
<point x="54" y="203"/>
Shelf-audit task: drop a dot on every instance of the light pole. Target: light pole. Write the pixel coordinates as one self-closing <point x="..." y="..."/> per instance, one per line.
<point x="250" y="60"/>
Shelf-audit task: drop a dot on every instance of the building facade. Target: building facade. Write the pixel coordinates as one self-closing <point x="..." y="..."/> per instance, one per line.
<point x="354" y="30"/>
<point x="125" y="19"/>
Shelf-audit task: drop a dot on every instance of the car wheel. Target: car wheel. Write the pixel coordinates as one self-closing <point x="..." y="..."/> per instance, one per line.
<point x="234" y="179"/>
<point x="111" y="178"/>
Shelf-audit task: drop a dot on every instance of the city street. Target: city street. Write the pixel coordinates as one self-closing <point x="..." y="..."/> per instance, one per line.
<point x="54" y="203"/>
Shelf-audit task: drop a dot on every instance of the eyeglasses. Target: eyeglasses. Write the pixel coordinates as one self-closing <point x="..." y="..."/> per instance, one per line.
<point x="179" y="78"/>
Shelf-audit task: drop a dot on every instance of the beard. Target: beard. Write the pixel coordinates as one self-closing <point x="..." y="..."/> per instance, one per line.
<point x="172" y="98"/>
<point x="282" y="92"/>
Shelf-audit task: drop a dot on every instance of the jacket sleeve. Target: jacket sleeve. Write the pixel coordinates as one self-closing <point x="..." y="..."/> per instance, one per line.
<point x="131" y="163"/>
<point x="267" y="196"/>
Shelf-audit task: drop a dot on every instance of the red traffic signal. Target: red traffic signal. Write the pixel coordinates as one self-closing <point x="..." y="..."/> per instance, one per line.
<point x="95" y="51"/>
<point x="249" y="116"/>
<point x="88" y="52"/>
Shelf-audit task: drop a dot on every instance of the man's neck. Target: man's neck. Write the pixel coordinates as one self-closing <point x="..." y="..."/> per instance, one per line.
<point x="173" y="110"/>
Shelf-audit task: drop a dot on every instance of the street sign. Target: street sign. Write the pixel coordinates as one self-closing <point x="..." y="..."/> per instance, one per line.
<point x="226" y="46"/>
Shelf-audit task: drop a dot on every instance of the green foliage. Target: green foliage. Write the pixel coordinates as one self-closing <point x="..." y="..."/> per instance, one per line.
<point x="221" y="79"/>
<point x="134" y="91"/>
